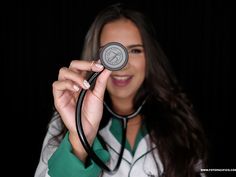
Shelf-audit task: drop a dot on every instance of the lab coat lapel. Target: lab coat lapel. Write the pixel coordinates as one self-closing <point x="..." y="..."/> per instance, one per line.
<point x="114" y="144"/>
<point x="143" y="147"/>
<point x="145" y="153"/>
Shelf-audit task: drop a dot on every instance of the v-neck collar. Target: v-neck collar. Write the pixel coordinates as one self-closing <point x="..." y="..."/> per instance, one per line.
<point x="116" y="129"/>
<point x="143" y="146"/>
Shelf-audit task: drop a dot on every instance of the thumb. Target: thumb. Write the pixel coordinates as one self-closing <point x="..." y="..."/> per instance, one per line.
<point x="101" y="83"/>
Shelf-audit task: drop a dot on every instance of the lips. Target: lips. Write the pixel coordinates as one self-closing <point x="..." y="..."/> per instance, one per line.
<point x="121" y="80"/>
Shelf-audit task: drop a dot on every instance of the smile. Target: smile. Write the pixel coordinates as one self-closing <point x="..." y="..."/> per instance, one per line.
<point x="121" y="81"/>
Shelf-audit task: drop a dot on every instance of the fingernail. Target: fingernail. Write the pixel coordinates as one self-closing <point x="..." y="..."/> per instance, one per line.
<point x="86" y="84"/>
<point x="76" y="87"/>
<point x="99" y="65"/>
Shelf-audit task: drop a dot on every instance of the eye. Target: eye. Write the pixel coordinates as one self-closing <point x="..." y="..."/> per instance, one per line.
<point x="135" y="51"/>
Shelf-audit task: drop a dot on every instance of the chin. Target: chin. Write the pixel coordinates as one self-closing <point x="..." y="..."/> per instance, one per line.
<point x="122" y="94"/>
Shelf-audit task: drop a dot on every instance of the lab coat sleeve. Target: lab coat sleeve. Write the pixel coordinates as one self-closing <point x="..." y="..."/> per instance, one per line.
<point x="63" y="148"/>
<point x="64" y="163"/>
<point x="198" y="166"/>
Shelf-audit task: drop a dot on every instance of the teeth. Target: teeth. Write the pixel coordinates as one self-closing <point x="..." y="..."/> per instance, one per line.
<point x="121" y="78"/>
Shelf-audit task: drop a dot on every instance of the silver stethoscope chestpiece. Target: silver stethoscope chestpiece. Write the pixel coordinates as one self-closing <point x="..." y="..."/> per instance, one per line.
<point x="113" y="56"/>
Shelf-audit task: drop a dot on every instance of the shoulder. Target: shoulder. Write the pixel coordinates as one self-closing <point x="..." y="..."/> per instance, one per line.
<point x="55" y="125"/>
<point x="52" y="140"/>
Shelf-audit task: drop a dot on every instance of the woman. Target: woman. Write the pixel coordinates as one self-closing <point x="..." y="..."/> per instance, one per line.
<point x="165" y="139"/>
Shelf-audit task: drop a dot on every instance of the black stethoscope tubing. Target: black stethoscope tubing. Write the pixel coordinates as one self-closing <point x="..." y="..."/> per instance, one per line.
<point x="83" y="139"/>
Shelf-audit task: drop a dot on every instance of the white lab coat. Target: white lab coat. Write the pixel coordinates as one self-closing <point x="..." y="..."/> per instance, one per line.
<point x="141" y="164"/>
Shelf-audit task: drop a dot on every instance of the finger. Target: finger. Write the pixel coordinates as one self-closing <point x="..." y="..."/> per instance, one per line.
<point x="68" y="74"/>
<point x="101" y="84"/>
<point x="82" y="65"/>
<point x="59" y="87"/>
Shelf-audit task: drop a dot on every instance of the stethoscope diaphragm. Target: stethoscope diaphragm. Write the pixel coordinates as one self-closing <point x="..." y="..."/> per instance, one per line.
<point x="114" y="56"/>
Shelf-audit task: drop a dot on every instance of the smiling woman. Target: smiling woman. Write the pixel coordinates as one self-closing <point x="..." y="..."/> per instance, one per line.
<point x="164" y="139"/>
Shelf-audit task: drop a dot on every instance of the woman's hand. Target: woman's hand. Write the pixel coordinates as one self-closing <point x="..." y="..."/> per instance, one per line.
<point x="66" y="91"/>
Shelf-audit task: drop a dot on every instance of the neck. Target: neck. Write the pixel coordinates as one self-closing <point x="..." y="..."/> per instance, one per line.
<point x="136" y="121"/>
<point x="122" y="106"/>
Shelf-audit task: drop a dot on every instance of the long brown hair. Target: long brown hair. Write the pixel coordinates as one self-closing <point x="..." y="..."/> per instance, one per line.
<point x="169" y="115"/>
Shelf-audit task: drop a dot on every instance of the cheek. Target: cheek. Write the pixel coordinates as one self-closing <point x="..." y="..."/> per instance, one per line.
<point x="110" y="85"/>
<point x="140" y="67"/>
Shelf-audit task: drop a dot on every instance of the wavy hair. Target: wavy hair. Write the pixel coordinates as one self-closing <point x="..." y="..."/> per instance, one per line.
<point x="168" y="114"/>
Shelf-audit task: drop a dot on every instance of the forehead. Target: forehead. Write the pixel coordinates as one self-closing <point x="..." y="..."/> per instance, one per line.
<point x="123" y="31"/>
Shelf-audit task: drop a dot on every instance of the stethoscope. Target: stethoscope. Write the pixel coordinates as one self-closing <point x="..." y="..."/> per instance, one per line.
<point x="114" y="57"/>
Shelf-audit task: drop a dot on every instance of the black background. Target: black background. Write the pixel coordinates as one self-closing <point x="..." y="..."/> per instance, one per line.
<point x="39" y="37"/>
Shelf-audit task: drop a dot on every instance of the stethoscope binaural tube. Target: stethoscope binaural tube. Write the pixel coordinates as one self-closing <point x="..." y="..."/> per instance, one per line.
<point x="113" y="56"/>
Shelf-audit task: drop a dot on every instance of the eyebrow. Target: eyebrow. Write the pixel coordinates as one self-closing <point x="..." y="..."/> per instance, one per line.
<point x="129" y="46"/>
<point x="134" y="45"/>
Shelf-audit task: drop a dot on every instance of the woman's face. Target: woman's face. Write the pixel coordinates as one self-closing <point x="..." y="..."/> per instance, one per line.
<point x="124" y="84"/>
